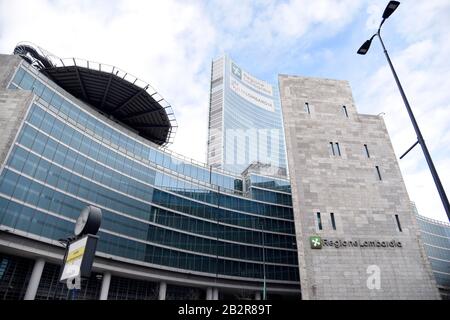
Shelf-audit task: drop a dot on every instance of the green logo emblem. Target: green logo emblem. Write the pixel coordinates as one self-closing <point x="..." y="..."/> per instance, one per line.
<point x="236" y="70"/>
<point x="316" y="242"/>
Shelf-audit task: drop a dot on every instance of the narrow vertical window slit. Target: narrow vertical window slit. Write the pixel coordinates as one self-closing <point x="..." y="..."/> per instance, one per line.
<point x="398" y="223"/>
<point x="344" y="108"/>
<point x="319" y="221"/>
<point x="333" y="222"/>
<point x="367" y="151"/>
<point x="307" y="108"/>
<point x="378" y="173"/>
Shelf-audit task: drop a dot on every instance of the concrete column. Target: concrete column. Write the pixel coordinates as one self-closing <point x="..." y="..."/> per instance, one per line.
<point x="257" y="295"/>
<point x="215" y="294"/>
<point x="162" y="291"/>
<point x="209" y="293"/>
<point x="35" y="278"/>
<point x="105" y="286"/>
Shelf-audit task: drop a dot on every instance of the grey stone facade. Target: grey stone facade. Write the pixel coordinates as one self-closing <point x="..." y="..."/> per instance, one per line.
<point x="13" y="104"/>
<point x="8" y="65"/>
<point x="348" y="186"/>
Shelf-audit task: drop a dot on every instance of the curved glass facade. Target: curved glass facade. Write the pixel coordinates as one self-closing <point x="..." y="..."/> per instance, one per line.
<point x="158" y="209"/>
<point x="245" y="121"/>
<point x="436" y="240"/>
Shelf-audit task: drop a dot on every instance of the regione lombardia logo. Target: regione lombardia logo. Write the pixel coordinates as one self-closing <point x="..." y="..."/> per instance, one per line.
<point x="236" y="70"/>
<point x="316" y="242"/>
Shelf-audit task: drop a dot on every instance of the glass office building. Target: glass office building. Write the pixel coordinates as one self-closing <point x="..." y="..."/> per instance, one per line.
<point x="245" y="121"/>
<point x="75" y="133"/>
<point x="172" y="228"/>
<point x="436" y="240"/>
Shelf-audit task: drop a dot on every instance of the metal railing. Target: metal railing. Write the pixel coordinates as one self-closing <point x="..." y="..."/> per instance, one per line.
<point x="434" y="221"/>
<point x="58" y="62"/>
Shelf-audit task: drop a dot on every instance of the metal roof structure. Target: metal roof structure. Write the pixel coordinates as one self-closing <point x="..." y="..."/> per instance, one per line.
<point x="109" y="89"/>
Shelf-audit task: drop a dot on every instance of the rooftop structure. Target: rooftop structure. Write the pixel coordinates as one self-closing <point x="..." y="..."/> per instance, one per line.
<point x="110" y="90"/>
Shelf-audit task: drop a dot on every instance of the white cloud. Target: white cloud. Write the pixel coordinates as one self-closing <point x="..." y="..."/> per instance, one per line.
<point x="294" y="18"/>
<point x="373" y="21"/>
<point x="165" y="43"/>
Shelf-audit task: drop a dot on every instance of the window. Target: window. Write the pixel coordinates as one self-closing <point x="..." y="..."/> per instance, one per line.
<point x="338" y="150"/>
<point x="367" y="151"/>
<point x="47" y="94"/>
<point x="27" y="81"/>
<point x="378" y="173"/>
<point x="19" y="75"/>
<point x="319" y="221"/>
<point x="335" y="149"/>
<point x="307" y="110"/>
<point x="344" y="109"/>
<point x="333" y="222"/>
<point x="398" y="223"/>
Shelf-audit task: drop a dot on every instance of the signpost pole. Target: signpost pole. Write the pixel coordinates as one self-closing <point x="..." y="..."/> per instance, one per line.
<point x="80" y="250"/>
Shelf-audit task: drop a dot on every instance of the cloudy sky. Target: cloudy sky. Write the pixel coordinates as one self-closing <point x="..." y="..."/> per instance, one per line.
<point x="170" y="44"/>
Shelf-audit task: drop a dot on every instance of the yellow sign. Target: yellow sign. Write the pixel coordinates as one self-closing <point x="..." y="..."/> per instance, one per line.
<point x="77" y="253"/>
<point x="74" y="259"/>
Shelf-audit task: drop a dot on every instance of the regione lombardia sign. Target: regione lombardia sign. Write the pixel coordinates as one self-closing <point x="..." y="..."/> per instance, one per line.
<point x="255" y="91"/>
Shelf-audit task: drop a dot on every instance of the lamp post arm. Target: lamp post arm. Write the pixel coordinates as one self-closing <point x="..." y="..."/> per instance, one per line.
<point x="420" y="139"/>
<point x="405" y="100"/>
<point x="381" y="24"/>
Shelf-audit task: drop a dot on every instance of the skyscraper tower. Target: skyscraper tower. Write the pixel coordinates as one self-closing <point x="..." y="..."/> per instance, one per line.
<point x="245" y="123"/>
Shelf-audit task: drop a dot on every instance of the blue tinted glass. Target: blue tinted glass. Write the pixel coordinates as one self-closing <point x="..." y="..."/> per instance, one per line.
<point x="18" y="158"/>
<point x="66" y="106"/>
<point x="57" y="101"/>
<point x="11" y="214"/>
<point x="47" y="94"/>
<point x="114" y="137"/>
<point x="34" y="193"/>
<point x="21" y="188"/>
<point x="159" y="158"/>
<point x="18" y="76"/>
<point x="91" y="123"/>
<point x="74" y="112"/>
<point x="38" y="87"/>
<point x="66" y="134"/>
<point x="36" y="115"/>
<point x="27" y="81"/>
<point x="42" y="170"/>
<point x="8" y="182"/>
<point x="39" y="143"/>
<point x="107" y="133"/>
<point x="24" y="219"/>
<point x="47" y="122"/>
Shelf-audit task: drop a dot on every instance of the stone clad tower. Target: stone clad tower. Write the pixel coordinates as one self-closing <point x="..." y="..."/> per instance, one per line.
<point x="348" y="193"/>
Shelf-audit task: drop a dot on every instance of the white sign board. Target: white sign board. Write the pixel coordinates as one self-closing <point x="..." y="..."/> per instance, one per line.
<point x="251" y="81"/>
<point x="74" y="258"/>
<point x="251" y="96"/>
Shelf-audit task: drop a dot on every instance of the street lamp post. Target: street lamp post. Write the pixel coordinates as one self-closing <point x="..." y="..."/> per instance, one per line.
<point x="390" y="8"/>
<point x="264" y="264"/>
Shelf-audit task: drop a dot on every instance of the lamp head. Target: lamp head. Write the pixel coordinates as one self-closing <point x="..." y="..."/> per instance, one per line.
<point x="390" y="8"/>
<point x="365" y="47"/>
